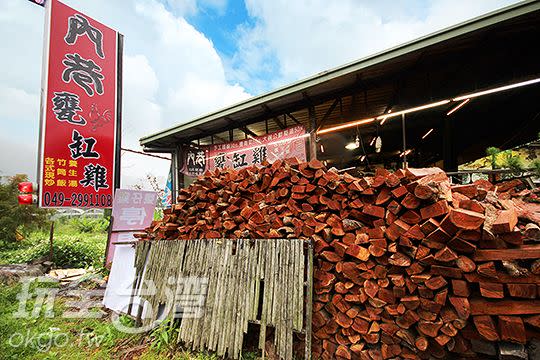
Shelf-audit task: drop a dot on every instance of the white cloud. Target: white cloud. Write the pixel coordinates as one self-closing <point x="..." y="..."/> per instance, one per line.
<point x="22" y="157"/>
<point x="141" y="112"/>
<point x="17" y="104"/>
<point x="306" y="37"/>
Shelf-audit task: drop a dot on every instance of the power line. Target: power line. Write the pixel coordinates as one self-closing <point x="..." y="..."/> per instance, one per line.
<point x="143" y="153"/>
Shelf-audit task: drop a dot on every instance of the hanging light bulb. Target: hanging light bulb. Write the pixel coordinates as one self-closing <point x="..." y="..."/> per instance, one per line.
<point x="353" y="144"/>
<point x="378" y="144"/>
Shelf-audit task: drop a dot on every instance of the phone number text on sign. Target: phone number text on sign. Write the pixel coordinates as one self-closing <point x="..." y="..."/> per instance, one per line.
<point x="58" y="199"/>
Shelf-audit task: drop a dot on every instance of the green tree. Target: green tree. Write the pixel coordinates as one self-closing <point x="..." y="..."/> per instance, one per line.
<point x="492" y="153"/>
<point x="15" y="218"/>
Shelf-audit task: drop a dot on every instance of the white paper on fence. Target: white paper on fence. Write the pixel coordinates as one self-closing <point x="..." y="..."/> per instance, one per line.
<point x="118" y="293"/>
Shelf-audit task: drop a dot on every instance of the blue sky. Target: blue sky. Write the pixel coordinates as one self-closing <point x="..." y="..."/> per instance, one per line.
<point x="184" y="58"/>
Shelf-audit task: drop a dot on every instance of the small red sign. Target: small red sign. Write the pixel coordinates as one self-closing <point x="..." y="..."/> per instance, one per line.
<point x="79" y="121"/>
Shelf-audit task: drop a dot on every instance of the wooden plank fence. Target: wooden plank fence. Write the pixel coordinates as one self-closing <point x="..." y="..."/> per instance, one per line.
<point x="239" y="274"/>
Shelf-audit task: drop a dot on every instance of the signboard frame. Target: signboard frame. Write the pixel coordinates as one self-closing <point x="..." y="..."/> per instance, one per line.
<point x="44" y="106"/>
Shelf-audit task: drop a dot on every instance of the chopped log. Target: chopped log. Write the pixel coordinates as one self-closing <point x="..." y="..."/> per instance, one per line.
<point x="532" y="232"/>
<point x="415" y="174"/>
<point x="487" y="269"/>
<point x="466" y="219"/>
<point x="445" y="255"/>
<point x="373" y="210"/>
<point x="399" y="259"/>
<point x="449" y="329"/>
<point x="437" y="209"/>
<point x="533" y="321"/>
<point x="410" y="202"/>
<point x="360" y="325"/>
<point x="524" y="291"/>
<point x="359" y="252"/>
<point x="436" y="282"/>
<point x="460" y="288"/>
<point x="506" y="221"/>
<point x="343" y="320"/>
<point x="343" y="352"/>
<point x="524" y="252"/>
<point x="411" y="217"/>
<point x="434" y="187"/>
<point x="486" y="327"/>
<point x="504" y="278"/>
<point x="399" y="192"/>
<point x="470" y="190"/>
<point x="504" y="307"/>
<point x="491" y="290"/>
<point x="465" y="264"/>
<point x="331" y="256"/>
<point x="429" y="328"/>
<point x="511" y="328"/>
<point x="446" y="271"/>
<point x="515" y="237"/>
<point x="407" y="319"/>
<point x="462" y="306"/>
<point x="421" y="343"/>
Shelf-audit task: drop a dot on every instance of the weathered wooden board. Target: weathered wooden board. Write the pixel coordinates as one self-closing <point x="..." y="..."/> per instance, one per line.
<point x="215" y="286"/>
<point x="505" y="307"/>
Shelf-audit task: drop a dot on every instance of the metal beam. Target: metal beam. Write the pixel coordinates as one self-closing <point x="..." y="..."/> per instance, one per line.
<point x="279" y="123"/>
<point x="328" y="112"/>
<point x="293" y="119"/>
<point x="246" y="131"/>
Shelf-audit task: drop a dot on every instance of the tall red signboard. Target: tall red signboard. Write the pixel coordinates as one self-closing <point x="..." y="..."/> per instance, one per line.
<point x="80" y="120"/>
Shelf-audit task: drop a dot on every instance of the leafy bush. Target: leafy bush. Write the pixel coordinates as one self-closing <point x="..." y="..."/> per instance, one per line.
<point x="536" y="166"/>
<point x="68" y="250"/>
<point x="88" y="225"/>
<point x="513" y="162"/>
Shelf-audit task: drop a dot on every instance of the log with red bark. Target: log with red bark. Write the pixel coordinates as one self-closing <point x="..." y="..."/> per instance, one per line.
<point x="401" y="259"/>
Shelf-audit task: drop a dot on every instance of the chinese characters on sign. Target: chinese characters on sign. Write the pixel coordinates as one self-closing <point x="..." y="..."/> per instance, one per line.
<point x="282" y="144"/>
<point x="79" y="147"/>
<point x="194" y="161"/>
<point x="133" y="210"/>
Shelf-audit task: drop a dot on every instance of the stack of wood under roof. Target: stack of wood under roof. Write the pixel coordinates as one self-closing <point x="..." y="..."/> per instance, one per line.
<point x="407" y="264"/>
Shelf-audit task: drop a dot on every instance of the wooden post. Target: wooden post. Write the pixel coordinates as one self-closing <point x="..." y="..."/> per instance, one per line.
<point x="107" y="248"/>
<point x="404" y="137"/>
<point x="312" y="133"/>
<point x="51" y="237"/>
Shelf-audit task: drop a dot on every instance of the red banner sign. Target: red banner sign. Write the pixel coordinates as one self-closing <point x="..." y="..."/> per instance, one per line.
<point x="282" y="144"/>
<point x="79" y="124"/>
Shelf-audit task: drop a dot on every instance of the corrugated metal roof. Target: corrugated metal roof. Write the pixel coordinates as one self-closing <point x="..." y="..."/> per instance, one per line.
<point x="293" y="98"/>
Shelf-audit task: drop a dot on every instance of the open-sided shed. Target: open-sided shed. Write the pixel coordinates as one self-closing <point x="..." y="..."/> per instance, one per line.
<point x="487" y="66"/>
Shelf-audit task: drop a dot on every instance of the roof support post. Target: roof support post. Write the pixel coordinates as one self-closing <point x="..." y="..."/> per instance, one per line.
<point x="449" y="151"/>
<point x="312" y="133"/>
<point x="404" y="138"/>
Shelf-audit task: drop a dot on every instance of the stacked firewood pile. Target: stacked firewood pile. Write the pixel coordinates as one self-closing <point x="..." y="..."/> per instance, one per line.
<point x="407" y="265"/>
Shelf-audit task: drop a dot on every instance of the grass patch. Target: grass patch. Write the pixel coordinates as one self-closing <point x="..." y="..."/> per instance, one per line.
<point x="77" y="243"/>
<point x="69" y="250"/>
<point x="57" y="337"/>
